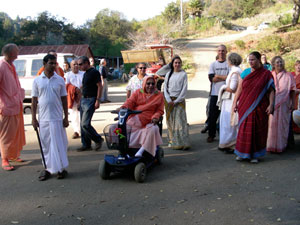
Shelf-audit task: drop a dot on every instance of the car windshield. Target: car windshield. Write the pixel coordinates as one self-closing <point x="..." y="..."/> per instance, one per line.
<point x="36" y="65"/>
<point x="20" y="67"/>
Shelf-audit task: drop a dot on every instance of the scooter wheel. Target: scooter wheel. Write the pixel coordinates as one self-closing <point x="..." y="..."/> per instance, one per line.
<point x="140" y="172"/>
<point x="160" y="155"/>
<point x="104" y="170"/>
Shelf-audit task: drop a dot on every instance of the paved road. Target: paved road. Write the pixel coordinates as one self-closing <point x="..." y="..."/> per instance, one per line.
<point x="199" y="186"/>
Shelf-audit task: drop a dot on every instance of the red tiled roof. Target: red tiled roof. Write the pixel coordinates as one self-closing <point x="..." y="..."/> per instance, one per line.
<point x="77" y="50"/>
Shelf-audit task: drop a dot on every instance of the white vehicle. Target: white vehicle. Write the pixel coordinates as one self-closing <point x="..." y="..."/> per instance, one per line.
<point x="27" y="67"/>
<point x="263" y="25"/>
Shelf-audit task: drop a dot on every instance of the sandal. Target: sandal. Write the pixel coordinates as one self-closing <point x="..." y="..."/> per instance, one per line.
<point x="8" y="167"/>
<point x="62" y="175"/>
<point x="17" y="160"/>
<point x="44" y="175"/>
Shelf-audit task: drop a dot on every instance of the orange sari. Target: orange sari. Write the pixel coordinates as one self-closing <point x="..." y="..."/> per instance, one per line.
<point x="296" y="129"/>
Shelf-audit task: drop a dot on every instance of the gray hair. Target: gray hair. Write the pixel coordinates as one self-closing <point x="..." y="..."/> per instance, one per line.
<point x="234" y="59"/>
<point x="102" y="61"/>
<point x="84" y="59"/>
<point x="8" y="48"/>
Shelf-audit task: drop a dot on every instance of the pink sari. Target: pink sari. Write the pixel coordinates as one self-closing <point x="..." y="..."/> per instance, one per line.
<point x="280" y="120"/>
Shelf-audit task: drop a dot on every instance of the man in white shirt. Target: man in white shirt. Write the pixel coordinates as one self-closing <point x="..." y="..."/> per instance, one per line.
<point x="74" y="81"/>
<point x="217" y="75"/>
<point x="50" y="95"/>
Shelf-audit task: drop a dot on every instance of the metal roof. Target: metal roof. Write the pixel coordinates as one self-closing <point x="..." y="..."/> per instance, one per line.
<point x="77" y="50"/>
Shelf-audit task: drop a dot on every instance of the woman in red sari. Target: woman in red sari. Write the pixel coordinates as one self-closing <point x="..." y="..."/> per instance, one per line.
<point x="254" y="102"/>
<point x="296" y="75"/>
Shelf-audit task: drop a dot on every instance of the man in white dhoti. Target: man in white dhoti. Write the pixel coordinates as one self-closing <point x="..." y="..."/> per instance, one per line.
<point x="49" y="94"/>
<point x="73" y="84"/>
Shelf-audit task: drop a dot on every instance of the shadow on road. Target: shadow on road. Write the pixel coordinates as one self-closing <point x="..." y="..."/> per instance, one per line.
<point x="197" y="94"/>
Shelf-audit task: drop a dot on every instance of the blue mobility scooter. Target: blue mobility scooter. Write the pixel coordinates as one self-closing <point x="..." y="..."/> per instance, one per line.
<point x="118" y="137"/>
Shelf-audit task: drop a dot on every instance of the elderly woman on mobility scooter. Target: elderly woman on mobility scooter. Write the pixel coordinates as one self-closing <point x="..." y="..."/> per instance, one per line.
<point x="144" y="130"/>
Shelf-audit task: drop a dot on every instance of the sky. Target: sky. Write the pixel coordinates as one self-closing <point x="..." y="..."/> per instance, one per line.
<point x="78" y="12"/>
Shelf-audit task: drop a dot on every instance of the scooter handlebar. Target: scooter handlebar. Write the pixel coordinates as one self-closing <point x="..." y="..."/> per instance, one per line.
<point x="129" y="111"/>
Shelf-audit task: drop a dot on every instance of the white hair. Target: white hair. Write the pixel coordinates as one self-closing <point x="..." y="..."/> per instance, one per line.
<point x="102" y="61"/>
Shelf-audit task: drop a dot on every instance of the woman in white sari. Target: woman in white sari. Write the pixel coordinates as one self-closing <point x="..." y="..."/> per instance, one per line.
<point x="228" y="133"/>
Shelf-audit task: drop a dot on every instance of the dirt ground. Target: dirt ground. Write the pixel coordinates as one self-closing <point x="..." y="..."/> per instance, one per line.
<point x="198" y="186"/>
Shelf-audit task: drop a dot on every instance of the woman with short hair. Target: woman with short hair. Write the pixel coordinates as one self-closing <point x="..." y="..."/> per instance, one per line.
<point x="284" y="104"/>
<point x="228" y="133"/>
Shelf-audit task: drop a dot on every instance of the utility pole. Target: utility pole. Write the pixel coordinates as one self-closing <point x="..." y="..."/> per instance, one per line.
<point x="181" y="13"/>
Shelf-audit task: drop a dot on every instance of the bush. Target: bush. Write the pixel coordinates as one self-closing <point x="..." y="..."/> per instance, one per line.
<point x="292" y="40"/>
<point x="270" y="43"/>
<point x="290" y="62"/>
<point x="200" y="24"/>
<point x="186" y="66"/>
<point x="283" y="20"/>
<point x="240" y="44"/>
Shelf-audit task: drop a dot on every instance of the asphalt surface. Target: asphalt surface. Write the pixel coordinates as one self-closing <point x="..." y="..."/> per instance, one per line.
<point x="198" y="186"/>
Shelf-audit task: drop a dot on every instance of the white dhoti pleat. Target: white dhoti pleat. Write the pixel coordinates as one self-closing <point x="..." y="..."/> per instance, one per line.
<point x="55" y="144"/>
<point x="75" y="118"/>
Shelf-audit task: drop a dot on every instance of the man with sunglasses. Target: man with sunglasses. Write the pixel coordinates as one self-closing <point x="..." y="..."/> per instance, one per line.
<point x="136" y="82"/>
<point x="90" y="101"/>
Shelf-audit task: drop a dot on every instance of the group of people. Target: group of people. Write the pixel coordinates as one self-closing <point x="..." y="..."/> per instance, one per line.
<point x="172" y="100"/>
<point x="53" y="93"/>
<point x="253" y="107"/>
<point x="78" y="93"/>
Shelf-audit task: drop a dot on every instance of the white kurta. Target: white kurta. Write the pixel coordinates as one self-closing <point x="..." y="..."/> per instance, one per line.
<point x="75" y="80"/>
<point x="52" y="133"/>
<point x="228" y="134"/>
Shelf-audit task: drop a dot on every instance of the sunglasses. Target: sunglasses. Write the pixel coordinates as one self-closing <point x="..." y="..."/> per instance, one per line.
<point x="80" y="64"/>
<point x="150" y="83"/>
<point x="142" y="68"/>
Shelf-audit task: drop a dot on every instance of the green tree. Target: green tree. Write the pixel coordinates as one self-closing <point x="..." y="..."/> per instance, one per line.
<point x="172" y="12"/>
<point x="108" y="33"/>
<point x="196" y="7"/>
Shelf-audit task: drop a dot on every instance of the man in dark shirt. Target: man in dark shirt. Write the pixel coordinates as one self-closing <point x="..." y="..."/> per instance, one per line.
<point x="104" y="72"/>
<point x="90" y="101"/>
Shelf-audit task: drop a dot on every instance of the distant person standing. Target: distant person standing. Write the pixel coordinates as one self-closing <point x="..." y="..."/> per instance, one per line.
<point x="12" y="135"/>
<point x="73" y="85"/>
<point x="66" y="67"/>
<point x="217" y="75"/>
<point x="265" y="62"/>
<point x="104" y="72"/>
<point x="58" y="69"/>
<point x="50" y="95"/>
<point x="90" y="101"/>
<point x="136" y="82"/>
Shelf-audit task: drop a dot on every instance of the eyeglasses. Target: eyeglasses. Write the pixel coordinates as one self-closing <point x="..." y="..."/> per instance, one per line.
<point x="142" y="68"/>
<point x="150" y="83"/>
<point x="80" y="64"/>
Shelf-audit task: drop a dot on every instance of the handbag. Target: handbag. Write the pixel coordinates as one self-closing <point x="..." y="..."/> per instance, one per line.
<point x="226" y="95"/>
<point x="234" y="119"/>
